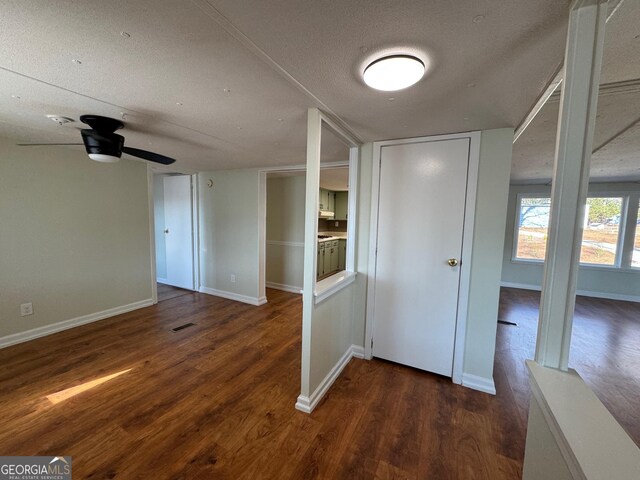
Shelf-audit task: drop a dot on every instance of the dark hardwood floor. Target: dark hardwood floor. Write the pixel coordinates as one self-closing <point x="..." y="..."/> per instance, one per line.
<point x="605" y="351"/>
<point x="167" y="292"/>
<point x="215" y="400"/>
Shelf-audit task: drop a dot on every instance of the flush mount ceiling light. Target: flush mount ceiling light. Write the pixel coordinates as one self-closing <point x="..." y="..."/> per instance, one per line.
<point x="394" y="72"/>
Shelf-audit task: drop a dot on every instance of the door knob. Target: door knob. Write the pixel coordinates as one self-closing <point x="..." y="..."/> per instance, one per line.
<point x="166" y="230"/>
<point x="452" y="262"/>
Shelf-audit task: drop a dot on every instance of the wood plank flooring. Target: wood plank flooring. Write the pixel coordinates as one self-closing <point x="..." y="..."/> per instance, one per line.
<point x="215" y="401"/>
<point x="605" y="350"/>
<point x="167" y="292"/>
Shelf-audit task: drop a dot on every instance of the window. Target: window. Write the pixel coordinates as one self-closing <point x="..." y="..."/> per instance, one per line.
<point x="600" y="240"/>
<point x="601" y="230"/>
<point x="635" y="257"/>
<point x="533" y="223"/>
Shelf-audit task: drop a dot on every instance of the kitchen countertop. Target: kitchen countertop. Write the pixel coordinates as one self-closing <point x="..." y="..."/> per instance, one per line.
<point x="334" y="236"/>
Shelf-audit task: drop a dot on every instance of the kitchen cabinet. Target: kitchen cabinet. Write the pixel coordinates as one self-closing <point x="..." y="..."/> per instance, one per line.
<point x="333" y="256"/>
<point x="326" y="259"/>
<point x="320" y="262"/>
<point x="327" y="200"/>
<point x="341" y="205"/>
<point x="342" y="254"/>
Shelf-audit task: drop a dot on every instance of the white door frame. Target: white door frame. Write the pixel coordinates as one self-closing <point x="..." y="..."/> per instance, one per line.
<point x="467" y="237"/>
<point x="262" y="215"/>
<point x="195" y="230"/>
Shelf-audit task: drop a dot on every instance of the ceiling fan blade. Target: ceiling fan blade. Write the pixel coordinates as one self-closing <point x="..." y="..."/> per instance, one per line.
<point x="152" y="157"/>
<point x="44" y="144"/>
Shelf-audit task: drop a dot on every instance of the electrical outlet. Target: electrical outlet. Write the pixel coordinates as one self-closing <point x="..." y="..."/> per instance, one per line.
<point x="26" y="309"/>
<point x="233" y="278"/>
<point x="337" y="224"/>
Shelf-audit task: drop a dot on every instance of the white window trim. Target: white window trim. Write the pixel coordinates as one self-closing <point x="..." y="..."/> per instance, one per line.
<point x="516" y="228"/>
<point x="621" y="246"/>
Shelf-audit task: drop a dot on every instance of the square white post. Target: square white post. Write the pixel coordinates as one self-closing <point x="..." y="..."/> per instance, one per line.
<point x="574" y="144"/>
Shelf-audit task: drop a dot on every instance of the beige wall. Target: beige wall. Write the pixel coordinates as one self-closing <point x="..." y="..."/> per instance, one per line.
<point x="285" y="231"/>
<point x="74" y="236"/>
<point x="229" y="233"/>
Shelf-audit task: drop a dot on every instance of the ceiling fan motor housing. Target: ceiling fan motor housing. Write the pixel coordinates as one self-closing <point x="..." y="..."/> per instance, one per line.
<point x="103" y="144"/>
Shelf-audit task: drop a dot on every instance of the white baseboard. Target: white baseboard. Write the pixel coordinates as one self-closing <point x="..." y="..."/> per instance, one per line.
<point x="284" y="288"/>
<point x="74" y="322"/>
<point x="307" y="404"/>
<point x="481" y="384"/>
<point x="582" y="293"/>
<point x="234" y="296"/>
<point x="358" y="351"/>
<point x="609" y="296"/>
<point x="163" y="281"/>
<point x="521" y="286"/>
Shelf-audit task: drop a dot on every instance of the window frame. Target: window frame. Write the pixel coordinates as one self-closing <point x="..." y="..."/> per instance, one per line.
<point x="620" y="255"/>
<point x="516" y="228"/>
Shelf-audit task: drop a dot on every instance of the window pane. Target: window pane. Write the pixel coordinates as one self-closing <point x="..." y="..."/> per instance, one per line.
<point x="602" y="225"/>
<point x="532" y="228"/>
<point x="635" y="259"/>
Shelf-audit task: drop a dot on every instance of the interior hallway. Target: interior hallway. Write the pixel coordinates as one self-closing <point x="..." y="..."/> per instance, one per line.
<point x="215" y="400"/>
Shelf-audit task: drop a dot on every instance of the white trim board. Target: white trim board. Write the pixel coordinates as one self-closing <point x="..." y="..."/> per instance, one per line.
<point x="481" y="384"/>
<point x="582" y="293"/>
<point x="284" y="288"/>
<point x="163" y="281"/>
<point x="285" y="243"/>
<point x="257" y="301"/>
<point x="307" y="404"/>
<point x="38" y="332"/>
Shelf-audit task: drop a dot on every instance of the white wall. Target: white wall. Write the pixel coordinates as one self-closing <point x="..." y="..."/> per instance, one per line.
<point x="592" y="281"/>
<point x="74" y="238"/>
<point x="285" y="232"/>
<point x="486" y="262"/>
<point x="229" y="234"/>
<point x="158" y="211"/>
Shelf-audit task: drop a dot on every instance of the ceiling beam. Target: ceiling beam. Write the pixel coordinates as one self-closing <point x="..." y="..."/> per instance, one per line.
<point x="556" y="81"/>
<point x="236" y="33"/>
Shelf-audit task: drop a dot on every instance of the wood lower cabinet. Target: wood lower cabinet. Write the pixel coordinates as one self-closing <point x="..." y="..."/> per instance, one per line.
<point x="331" y="257"/>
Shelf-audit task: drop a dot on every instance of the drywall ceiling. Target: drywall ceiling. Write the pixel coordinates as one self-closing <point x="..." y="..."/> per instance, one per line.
<point x="335" y="179"/>
<point x="224" y="84"/>
<point x="617" y="137"/>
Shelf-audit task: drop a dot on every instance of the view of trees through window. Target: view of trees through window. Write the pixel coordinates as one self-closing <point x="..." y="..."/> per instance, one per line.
<point x="532" y="228"/>
<point x="601" y="229"/>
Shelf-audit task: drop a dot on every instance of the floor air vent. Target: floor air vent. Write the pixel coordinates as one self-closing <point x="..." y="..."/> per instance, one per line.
<point x="182" y="327"/>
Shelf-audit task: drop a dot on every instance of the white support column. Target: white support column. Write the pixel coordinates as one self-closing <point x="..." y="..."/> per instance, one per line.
<point x="314" y="132"/>
<point x="583" y="58"/>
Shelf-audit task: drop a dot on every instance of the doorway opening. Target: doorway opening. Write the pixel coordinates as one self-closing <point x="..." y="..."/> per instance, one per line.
<point x="175" y="222"/>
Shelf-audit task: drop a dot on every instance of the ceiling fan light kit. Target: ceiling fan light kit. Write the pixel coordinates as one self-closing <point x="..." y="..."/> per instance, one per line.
<point x="103" y="145"/>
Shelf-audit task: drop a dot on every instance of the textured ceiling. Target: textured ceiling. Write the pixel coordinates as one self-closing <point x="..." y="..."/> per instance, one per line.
<point x="226" y="84"/>
<point x="617" y="137"/>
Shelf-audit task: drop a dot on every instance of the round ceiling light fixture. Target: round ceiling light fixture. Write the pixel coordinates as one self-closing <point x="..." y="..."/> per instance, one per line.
<point x="394" y="72"/>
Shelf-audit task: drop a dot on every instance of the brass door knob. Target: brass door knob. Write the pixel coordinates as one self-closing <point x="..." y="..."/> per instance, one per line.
<point x="452" y="262"/>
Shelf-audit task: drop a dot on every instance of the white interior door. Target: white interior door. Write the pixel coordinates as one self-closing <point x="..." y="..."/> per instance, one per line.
<point x="178" y="230"/>
<point x="420" y="227"/>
